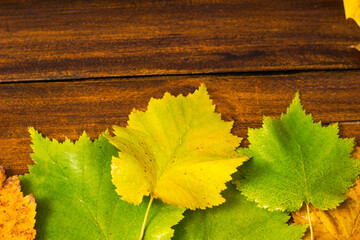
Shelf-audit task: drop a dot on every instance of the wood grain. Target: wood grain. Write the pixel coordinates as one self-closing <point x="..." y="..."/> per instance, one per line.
<point x="59" y="109"/>
<point x="42" y="40"/>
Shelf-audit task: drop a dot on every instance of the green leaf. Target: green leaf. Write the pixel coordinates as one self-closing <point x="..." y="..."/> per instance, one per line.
<point x="179" y="151"/>
<point x="296" y="160"/>
<point x="77" y="200"/>
<point x="236" y="219"/>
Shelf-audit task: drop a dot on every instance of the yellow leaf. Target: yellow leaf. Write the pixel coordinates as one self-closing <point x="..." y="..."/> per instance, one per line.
<point x="335" y="224"/>
<point x="17" y="213"/>
<point x="352" y="10"/>
<point x="179" y="151"/>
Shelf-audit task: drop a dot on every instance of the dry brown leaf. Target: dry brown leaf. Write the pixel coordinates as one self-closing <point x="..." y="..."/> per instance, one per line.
<point x="335" y="224"/>
<point x="17" y="213"/>
<point x="356" y="153"/>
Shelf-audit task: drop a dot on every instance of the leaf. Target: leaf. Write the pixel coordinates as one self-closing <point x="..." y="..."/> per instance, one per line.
<point x="356" y="153"/>
<point x="296" y="160"/>
<point x="352" y="10"/>
<point x="236" y="219"/>
<point x="179" y="151"/>
<point x="17" y="213"/>
<point x="335" y="224"/>
<point x="77" y="200"/>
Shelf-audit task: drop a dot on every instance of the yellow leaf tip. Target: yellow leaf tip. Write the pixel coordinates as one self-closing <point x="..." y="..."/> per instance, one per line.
<point x="32" y="131"/>
<point x="297" y="97"/>
<point x="203" y="87"/>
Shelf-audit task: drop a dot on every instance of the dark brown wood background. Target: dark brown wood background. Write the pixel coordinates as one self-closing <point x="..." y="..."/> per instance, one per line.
<point x="70" y="66"/>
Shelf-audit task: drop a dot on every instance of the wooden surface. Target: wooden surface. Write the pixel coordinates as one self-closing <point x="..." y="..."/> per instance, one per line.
<point x="45" y="40"/>
<point x="59" y="109"/>
<point x="70" y="66"/>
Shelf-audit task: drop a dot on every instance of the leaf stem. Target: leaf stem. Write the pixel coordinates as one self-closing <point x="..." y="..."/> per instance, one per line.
<point x="145" y="218"/>
<point x="310" y="226"/>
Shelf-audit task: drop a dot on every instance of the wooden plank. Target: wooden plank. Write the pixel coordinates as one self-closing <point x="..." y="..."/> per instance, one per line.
<point x="81" y="39"/>
<point x="350" y="130"/>
<point x="59" y="109"/>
